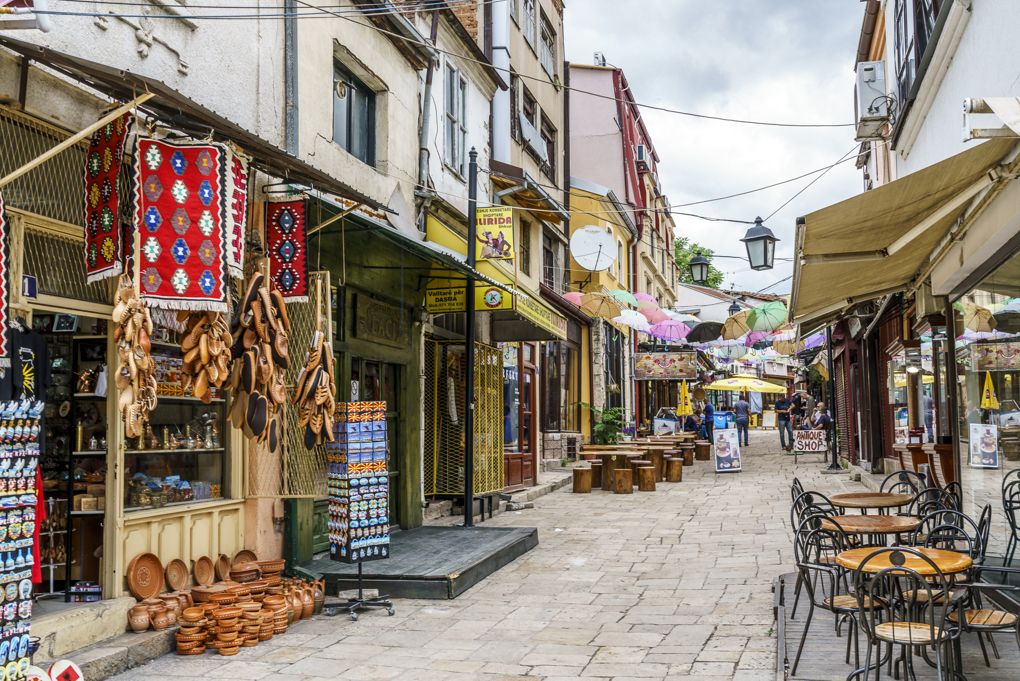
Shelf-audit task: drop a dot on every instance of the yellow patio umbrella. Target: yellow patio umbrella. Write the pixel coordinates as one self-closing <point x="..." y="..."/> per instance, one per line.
<point x="685" y="407"/>
<point x="901" y="380"/>
<point x="736" y="326"/>
<point x="741" y="383"/>
<point x="978" y="318"/>
<point x="988" y="398"/>
<point x="601" y="305"/>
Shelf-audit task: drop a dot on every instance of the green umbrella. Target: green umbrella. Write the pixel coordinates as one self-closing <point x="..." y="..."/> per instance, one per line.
<point x="767" y="317"/>
<point x="624" y="297"/>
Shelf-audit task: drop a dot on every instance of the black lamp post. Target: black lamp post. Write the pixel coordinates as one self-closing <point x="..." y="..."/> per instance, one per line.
<point x="733" y="308"/>
<point x="699" y="268"/>
<point x="761" y="246"/>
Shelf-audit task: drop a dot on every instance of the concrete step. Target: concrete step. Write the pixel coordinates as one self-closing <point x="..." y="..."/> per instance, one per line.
<point x="66" y="627"/>
<point x="102" y="660"/>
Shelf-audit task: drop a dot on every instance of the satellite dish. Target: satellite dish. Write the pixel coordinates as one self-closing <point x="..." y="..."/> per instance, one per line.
<point x="593" y="248"/>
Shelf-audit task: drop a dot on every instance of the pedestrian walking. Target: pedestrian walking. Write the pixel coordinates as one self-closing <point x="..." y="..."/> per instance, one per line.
<point x="928" y="404"/>
<point x="783" y="407"/>
<point x="742" y="410"/>
<point x="709" y="423"/>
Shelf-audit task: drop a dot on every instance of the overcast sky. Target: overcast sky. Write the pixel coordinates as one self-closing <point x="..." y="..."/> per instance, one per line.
<point x="773" y="60"/>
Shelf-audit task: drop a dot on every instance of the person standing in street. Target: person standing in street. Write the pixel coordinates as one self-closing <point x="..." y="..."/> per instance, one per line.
<point x="709" y="423"/>
<point x="783" y="407"/>
<point x="928" y="405"/>
<point x="742" y="410"/>
<point x="797" y="409"/>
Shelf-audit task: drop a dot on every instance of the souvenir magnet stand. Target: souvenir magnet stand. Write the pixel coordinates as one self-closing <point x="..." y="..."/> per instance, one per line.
<point x="353" y="605"/>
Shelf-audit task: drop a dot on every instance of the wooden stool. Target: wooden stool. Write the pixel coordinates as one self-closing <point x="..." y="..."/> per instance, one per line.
<point x="674" y="469"/>
<point x="702" y="450"/>
<point x="688" y="454"/>
<point x="646" y="478"/>
<point x="596" y="474"/>
<point x="656" y="456"/>
<point x="582" y="480"/>
<point x="622" y="482"/>
<point x="635" y="464"/>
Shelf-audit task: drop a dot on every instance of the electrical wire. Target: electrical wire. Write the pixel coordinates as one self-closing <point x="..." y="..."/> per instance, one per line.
<point x="816" y="178"/>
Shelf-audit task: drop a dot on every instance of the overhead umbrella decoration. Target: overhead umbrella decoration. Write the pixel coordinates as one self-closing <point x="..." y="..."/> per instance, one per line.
<point x="634" y="320"/>
<point x="813" y="341"/>
<point x="736" y="325"/>
<point x="625" y="297"/>
<point x="654" y="315"/>
<point x="670" y="330"/>
<point x="600" y="305"/>
<point x="741" y="383"/>
<point x="821" y="365"/>
<point x="978" y="318"/>
<point x="685" y="407"/>
<point x="755" y="337"/>
<point x="573" y="297"/>
<point x="988" y="398"/>
<point x="767" y="317"/>
<point x="705" y="332"/>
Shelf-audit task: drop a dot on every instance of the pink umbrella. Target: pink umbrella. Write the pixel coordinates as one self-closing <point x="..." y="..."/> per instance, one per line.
<point x="754" y="337"/>
<point x="573" y="297"/>
<point x="670" y="330"/>
<point x="647" y="305"/>
<point x="654" y="315"/>
<point x="646" y="297"/>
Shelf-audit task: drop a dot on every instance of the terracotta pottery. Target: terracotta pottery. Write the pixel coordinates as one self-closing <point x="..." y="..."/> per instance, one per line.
<point x="319" y="594"/>
<point x="176" y="574"/>
<point x="161" y="620"/>
<point x="145" y="576"/>
<point x="223" y="567"/>
<point x="296" y="605"/>
<point x="244" y="556"/>
<point x="203" y="571"/>
<point x="138" y="620"/>
<point x="307" y="603"/>
<point x="171" y="616"/>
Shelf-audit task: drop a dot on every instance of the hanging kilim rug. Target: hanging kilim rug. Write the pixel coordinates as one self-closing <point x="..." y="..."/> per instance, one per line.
<point x="285" y="244"/>
<point x="104" y="247"/>
<point x="237" y="209"/>
<point x="179" y="212"/>
<point x="5" y="353"/>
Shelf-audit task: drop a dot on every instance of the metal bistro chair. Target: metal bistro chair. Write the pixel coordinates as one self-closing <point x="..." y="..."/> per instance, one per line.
<point x="796" y="489"/>
<point x="986" y="621"/>
<point x="1011" y="509"/>
<point x="897" y="607"/>
<point x="904" y="482"/>
<point x="805" y="505"/>
<point x="815" y="550"/>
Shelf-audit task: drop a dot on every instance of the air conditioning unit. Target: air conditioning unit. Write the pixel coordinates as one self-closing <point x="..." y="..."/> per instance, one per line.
<point x="642" y="157"/>
<point x="871" y="102"/>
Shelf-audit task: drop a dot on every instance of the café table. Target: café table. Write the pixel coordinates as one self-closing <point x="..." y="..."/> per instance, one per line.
<point x="657" y="455"/>
<point x="949" y="562"/>
<point x="866" y="500"/>
<point x="612" y="459"/>
<point x="872" y="526"/>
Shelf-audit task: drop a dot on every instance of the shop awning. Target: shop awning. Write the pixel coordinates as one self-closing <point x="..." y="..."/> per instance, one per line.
<point x="181" y="112"/>
<point x="517" y="314"/>
<point x="877" y="242"/>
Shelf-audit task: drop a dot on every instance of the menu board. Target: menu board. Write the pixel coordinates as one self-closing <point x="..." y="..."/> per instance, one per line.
<point x="19" y="457"/>
<point x="726" y="445"/>
<point x="359" y="523"/>
<point x="984" y="446"/>
<point x="995" y="356"/>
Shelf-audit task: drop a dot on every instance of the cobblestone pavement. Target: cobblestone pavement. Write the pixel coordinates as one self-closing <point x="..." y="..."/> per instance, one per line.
<point x="657" y="585"/>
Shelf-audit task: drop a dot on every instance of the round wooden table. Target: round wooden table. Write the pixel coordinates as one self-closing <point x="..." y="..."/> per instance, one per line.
<point x="872" y="524"/>
<point x="950" y="562"/>
<point x="870" y="500"/>
<point x="610" y="460"/>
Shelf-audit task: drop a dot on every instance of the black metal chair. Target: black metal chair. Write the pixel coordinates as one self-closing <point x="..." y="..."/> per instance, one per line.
<point x="956" y="489"/>
<point x="904" y="482"/>
<point x="806" y="505"/>
<point x="897" y="608"/>
<point x="1011" y="509"/>
<point x="796" y="489"/>
<point x="973" y="617"/>
<point x="815" y="551"/>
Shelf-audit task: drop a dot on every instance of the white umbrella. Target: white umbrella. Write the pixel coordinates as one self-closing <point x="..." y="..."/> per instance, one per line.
<point x="634" y="320"/>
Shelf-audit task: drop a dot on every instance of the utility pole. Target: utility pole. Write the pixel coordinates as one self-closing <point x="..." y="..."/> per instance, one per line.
<point x="834" y="464"/>
<point x="469" y="340"/>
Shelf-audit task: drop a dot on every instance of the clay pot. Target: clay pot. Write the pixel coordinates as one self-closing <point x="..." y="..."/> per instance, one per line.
<point x="318" y="595"/>
<point x="307" y="603"/>
<point x="295" y="606"/>
<point x="171" y="616"/>
<point x="138" y="619"/>
<point x="161" y="620"/>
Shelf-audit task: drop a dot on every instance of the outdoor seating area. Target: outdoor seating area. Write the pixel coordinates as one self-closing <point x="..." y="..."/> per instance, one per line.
<point x="637" y="465"/>
<point x="899" y="583"/>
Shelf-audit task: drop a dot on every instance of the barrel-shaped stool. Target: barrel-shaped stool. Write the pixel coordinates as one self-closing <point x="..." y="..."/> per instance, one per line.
<point x="674" y="469"/>
<point x="596" y="474"/>
<point x="702" y="450"/>
<point x="646" y="478"/>
<point x="635" y="464"/>
<point x="622" y="481"/>
<point x="582" y="480"/>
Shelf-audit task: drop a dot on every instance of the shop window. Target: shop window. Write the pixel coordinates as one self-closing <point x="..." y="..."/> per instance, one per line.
<point x="561" y="386"/>
<point x="548" y="135"/>
<point x="456" y="119"/>
<point x="547" y="46"/>
<point x="529" y="20"/>
<point x="548" y="262"/>
<point x="914" y="23"/>
<point x="524" y="248"/>
<point x="353" y="115"/>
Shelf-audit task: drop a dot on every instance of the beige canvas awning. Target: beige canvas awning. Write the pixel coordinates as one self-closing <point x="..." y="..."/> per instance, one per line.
<point x="877" y="242"/>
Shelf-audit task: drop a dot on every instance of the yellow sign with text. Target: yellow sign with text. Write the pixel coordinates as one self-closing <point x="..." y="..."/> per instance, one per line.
<point x="487" y="298"/>
<point x="495" y="233"/>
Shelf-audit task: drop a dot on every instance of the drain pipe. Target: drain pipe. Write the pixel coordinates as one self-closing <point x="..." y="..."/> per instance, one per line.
<point x="290" y="85"/>
<point x="426" y="111"/>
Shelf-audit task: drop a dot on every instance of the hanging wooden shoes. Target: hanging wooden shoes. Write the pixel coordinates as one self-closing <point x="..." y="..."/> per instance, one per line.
<point x="206" y="348"/>
<point x="261" y="355"/>
<point x="315" y="393"/>
<point x="135" y="378"/>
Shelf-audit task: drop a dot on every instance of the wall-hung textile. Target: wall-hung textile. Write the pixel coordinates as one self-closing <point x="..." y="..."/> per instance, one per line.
<point x="104" y="245"/>
<point x="285" y="244"/>
<point x="180" y="215"/>
<point x="238" y="170"/>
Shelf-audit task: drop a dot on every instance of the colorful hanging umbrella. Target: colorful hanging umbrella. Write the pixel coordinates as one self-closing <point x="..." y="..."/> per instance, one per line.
<point x="573" y="297"/>
<point x="821" y="365"/>
<point x="813" y="341"/>
<point x="755" y="337"/>
<point x="784" y="347"/>
<point x="654" y="315"/>
<point x="745" y="383"/>
<point x="978" y="318"/>
<point x="685" y="406"/>
<point x="625" y="297"/>
<point x="767" y="317"/>
<point x="645" y="297"/>
<point x="785" y="334"/>
<point x="704" y="332"/>
<point x="736" y="325"/>
<point x="634" y="320"/>
<point x="600" y="305"/>
<point x="670" y="330"/>
<point x="682" y="316"/>
<point x="972" y="336"/>
<point x="988" y="398"/>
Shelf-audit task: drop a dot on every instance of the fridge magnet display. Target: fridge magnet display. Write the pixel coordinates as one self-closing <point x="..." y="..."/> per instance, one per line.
<point x="727" y="451"/>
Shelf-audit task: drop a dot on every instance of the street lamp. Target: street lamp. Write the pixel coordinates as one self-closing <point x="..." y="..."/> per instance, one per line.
<point x="761" y="246"/>
<point x="733" y="308"/>
<point x="699" y="268"/>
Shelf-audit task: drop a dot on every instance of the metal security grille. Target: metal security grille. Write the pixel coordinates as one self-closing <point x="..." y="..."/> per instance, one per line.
<point x="53" y="189"/>
<point x="445" y="364"/>
<point x="59" y="265"/>
<point x="295" y="471"/>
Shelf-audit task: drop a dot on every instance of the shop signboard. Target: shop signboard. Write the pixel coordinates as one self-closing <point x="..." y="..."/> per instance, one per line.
<point x="984" y="446"/>
<point x="658" y="366"/>
<point x="809" y="442"/>
<point x="495" y="225"/>
<point x="726" y="448"/>
<point x="995" y="356"/>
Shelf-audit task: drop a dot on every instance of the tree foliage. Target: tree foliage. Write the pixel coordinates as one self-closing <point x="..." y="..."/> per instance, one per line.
<point x="683" y="250"/>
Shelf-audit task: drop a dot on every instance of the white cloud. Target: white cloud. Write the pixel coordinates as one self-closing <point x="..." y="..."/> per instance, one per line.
<point x="772" y="60"/>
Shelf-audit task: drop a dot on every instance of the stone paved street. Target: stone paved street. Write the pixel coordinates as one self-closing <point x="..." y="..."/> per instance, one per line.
<point x="663" y="585"/>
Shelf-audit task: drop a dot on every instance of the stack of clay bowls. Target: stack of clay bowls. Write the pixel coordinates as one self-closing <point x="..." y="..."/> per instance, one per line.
<point x="278" y="607"/>
<point x="191" y="636"/>
<point x="228" y="629"/>
<point x="242" y="573"/>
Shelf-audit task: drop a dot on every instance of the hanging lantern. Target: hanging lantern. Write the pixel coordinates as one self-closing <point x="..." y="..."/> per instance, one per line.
<point x="761" y="246"/>
<point x="699" y="268"/>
